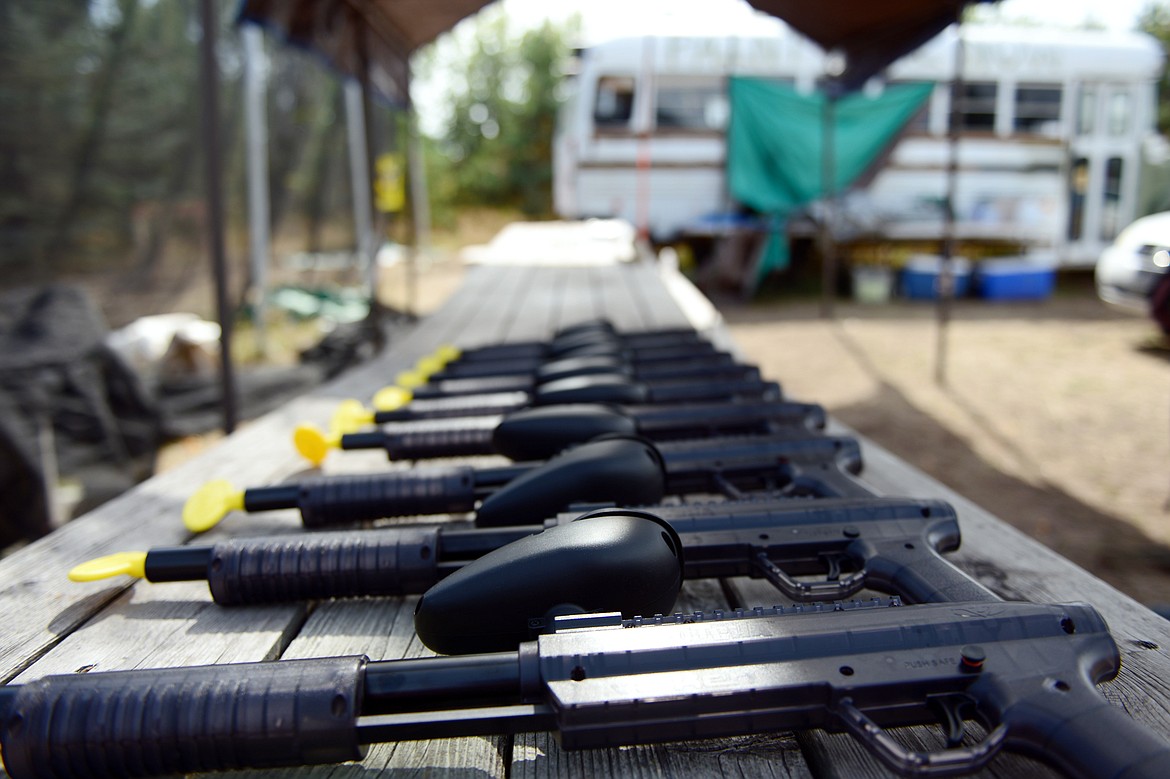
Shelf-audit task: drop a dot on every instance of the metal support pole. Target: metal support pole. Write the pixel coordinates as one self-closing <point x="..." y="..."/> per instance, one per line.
<point x="256" y="125"/>
<point x="828" y="191"/>
<point x="379" y="226"/>
<point x="420" y="205"/>
<point x="359" y="174"/>
<point x="946" y="276"/>
<point x="209" y="77"/>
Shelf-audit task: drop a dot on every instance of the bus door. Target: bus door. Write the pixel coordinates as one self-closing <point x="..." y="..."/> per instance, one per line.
<point x="1103" y="167"/>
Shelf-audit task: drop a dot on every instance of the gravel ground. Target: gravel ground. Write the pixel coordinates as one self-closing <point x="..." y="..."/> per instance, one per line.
<point x="1055" y="416"/>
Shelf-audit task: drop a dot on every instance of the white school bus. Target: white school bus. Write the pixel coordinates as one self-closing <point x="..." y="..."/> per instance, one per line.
<point x="1056" y="128"/>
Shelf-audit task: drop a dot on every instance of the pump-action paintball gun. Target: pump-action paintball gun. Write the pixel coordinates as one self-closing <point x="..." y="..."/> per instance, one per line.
<point x="396" y="403"/>
<point x="891" y="545"/>
<point x="1025" y="671"/>
<point x="669" y="377"/>
<point x="540" y="433"/>
<point x="622" y="470"/>
<point x="582" y="336"/>
<point x="659" y="356"/>
<point x="675" y="362"/>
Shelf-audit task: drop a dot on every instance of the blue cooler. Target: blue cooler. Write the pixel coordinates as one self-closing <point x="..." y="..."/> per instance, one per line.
<point x="921" y="272"/>
<point x="1015" y="279"/>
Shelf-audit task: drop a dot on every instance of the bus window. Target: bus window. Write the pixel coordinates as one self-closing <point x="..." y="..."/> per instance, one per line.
<point x="691" y="106"/>
<point x="1037" y="110"/>
<point x="1119" y="112"/>
<point x="1112" y="205"/>
<point x="1087" y="111"/>
<point x="615" y="102"/>
<point x="977" y="106"/>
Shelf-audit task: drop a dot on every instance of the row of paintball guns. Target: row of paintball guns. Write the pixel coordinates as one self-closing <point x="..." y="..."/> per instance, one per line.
<point x="638" y="462"/>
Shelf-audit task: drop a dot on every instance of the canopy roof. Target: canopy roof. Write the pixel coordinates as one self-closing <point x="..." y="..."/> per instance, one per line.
<point x="344" y="32"/>
<point x="385" y="33"/>
<point x="869" y="34"/>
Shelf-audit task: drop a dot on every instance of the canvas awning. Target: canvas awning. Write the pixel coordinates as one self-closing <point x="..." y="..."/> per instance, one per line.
<point x="870" y="35"/>
<point x="345" y="33"/>
<point x="385" y="33"/>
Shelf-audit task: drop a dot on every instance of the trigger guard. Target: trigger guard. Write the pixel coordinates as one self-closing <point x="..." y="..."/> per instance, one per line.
<point x="908" y="762"/>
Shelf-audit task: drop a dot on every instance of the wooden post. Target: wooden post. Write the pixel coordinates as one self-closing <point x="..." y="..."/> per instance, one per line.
<point x="256" y="121"/>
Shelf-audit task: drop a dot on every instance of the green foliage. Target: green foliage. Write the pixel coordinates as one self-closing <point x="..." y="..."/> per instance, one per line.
<point x="97" y="105"/>
<point x="497" y="148"/>
<point x="1155" y="20"/>
<point x="100" y="135"/>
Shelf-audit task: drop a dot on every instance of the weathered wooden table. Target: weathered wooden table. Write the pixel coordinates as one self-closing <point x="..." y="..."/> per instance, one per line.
<point x="52" y="626"/>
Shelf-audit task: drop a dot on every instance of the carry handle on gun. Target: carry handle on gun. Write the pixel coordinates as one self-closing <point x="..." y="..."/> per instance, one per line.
<point x="540" y="433"/>
<point x="625" y="470"/>
<point x="887" y="544"/>
<point x="1028" y="671"/>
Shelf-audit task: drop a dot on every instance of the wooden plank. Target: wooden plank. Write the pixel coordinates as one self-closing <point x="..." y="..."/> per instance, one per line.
<point x="42" y="607"/>
<point x="538" y="755"/>
<point x="534" y="314"/>
<point x="616" y="299"/>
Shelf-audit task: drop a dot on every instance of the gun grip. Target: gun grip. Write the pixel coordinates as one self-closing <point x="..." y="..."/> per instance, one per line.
<point x="616" y="561"/>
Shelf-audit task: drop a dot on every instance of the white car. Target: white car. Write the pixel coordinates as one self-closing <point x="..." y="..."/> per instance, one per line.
<point x="1131" y="267"/>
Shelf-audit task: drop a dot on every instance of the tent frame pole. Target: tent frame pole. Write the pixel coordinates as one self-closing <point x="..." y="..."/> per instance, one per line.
<point x="946" y="277"/>
<point x="209" y="77"/>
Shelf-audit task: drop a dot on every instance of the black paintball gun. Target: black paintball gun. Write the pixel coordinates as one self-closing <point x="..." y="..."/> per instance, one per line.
<point x="398" y="404"/>
<point x="540" y="433"/>
<point x="592" y="337"/>
<point x="591" y="368"/>
<point x="622" y="470"/>
<point x="472" y="576"/>
<point x="673" y="354"/>
<point x="1025" y="672"/>
<point x="425" y="381"/>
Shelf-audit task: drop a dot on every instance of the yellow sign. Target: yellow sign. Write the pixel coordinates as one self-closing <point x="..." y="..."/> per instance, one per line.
<point x="389" y="183"/>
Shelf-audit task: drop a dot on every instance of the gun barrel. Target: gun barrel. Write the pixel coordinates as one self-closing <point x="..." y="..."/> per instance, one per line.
<point x="340" y="500"/>
<point x="459" y="406"/>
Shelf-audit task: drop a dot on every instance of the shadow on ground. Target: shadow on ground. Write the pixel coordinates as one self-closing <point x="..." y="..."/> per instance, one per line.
<point x="1105" y="545"/>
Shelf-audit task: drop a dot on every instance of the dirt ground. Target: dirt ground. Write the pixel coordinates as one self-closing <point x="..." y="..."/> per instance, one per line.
<point x="1055" y="416"/>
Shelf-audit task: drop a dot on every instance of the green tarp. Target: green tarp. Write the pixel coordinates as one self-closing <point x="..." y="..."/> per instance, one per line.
<point x="775" y="141"/>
